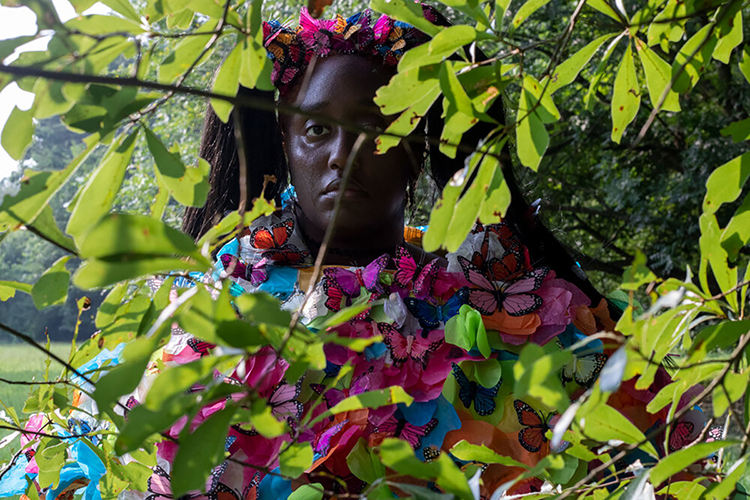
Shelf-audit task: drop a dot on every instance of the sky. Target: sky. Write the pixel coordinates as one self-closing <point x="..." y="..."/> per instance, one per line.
<point x="15" y="22"/>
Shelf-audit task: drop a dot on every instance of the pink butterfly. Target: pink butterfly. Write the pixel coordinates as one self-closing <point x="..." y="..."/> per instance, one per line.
<point x="512" y="296"/>
<point x="323" y="441"/>
<point x="341" y="286"/>
<point x="334" y="396"/>
<point x="198" y="346"/>
<point x="400" y="428"/>
<point x="255" y="275"/>
<point x="283" y="401"/>
<point x="680" y="435"/>
<point x="408" y="347"/>
<point x="413" y="277"/>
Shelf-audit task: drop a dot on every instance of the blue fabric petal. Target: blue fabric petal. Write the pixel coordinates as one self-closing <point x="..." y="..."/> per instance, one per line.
<point x="68" y="474"/>
<point x="97" y="362"/>
<point x="281" y="281"/>
<point x="447" y="421"/>
<point x="418" y="413"/>
<point x="14" y="481"/>
<point x="273" y="487"/>
<point x="375" y="351"/>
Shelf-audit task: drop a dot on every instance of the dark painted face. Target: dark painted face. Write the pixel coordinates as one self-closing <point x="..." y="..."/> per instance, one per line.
<point x="342" y="87"/>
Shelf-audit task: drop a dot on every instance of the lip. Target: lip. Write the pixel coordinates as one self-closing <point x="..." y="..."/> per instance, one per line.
<point x="353" y="188"/>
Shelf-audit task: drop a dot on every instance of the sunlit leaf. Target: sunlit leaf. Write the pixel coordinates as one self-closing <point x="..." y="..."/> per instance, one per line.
<point x="626" y="98"/>
<point x="52" y="287"/>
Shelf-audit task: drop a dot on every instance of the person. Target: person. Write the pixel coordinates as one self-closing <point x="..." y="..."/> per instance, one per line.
<point x="452" y="326"/>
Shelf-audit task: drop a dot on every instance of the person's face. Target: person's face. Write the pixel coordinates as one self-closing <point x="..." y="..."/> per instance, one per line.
<point x="342" y="87"/>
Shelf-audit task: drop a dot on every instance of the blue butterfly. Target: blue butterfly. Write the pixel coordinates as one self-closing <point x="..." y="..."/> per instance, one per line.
<point x="429" y="315"/>
<point x="470" y="391"/>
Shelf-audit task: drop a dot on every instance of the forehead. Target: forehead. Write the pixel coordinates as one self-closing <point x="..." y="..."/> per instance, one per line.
<point x="342" y="80"/>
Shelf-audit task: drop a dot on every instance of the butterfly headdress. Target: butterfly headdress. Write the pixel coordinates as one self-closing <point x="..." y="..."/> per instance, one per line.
<point x="383" y="40"/>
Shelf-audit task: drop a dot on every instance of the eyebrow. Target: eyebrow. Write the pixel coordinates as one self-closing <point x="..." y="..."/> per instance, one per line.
<point x="362" y="106"/>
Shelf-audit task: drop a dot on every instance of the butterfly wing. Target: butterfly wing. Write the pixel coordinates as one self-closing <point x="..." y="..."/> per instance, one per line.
<point x="680" y="435"/>
<point x="413" y="434"/>
<point x="425" y="312"/>
<point x="483" y="301"/>
<point x="232" y="263"/>
<point x="284" y="402"/>
<point x="532" y="436"/>
<point x="397" y="343"/>
<point x="344" y="279"/>
<point x="466" y="389"/>
<point x="371" y="274"/>
<point x="336" y="298"/>
<point x="484" y="401"/>
<point x="406" y="267"/>
<point x="588" y="368"/>
<point x="521" y="304"/>
<point x="251" y="490"/>
<point x="426" y="279"/>
<point x="421" y="347"/>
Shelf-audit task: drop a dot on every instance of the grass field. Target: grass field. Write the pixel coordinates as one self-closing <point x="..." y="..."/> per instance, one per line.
<point x="23" y="362"/>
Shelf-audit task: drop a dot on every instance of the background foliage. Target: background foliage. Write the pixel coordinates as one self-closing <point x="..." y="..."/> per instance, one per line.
<point x="631" y="119"/>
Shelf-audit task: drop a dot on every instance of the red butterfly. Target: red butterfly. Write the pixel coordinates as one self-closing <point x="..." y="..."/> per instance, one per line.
<point x="400" y="428"/>
<point x="411" y="276"/>
<point x="199" y="346"/>
<point x="408" y="347"/>
<point x="514" y="296"/>
<point x="274" y="243"/>
<point x="534" y="433"/>
<point x="680" y="435"/>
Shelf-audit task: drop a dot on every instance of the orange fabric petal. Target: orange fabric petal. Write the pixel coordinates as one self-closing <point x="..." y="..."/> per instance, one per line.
<point x="513" y="325"/>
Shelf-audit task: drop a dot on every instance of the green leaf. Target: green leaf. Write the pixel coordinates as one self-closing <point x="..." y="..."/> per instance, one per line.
<point x="98" y="195"/>
<point x="227" y="83"/>
<point x="568" y="70"/>
<point x="526" y="10"/>
<point x="296" y="459"/>
<point x="45" y="226"/>
<point x="184" y="55"/>
<point x="725" y="489"/>
<point x="199" y="452"/>
<point x="658" y="77"/>
<point x="307" y="492"/>
<point x="97" y="24"/>
<point x="50" y="457"/>
<point x="8" y="289"/>
<point x="124" y="378"/>
<point x="724" y="185"/>
<point x="449" y="40"/>
<point x="729" y="38"/>
<point x="626" y="98"/>
<point x="98" y="273"/>
<point x="407" y="11"/>
<point x="604" y="423"/>
<point x="700" y="46"/>
<point x="596" y="78"/>
<point x="745" y="62"/>
<point x="605" y="8"/>
<point x="373" y="399"/>
<point x="189" y="186"/>
<point x="133" y="235"/>
<point x="441" y="214"/>
<point x="52" y="287"/>
<point x="17" y="133"/>
<point x="740" y="131"/>
<point x="463" y="450"/>
<point x="176" y="380"/>
<point x="532" y="138"/>
<point x="255" y="71"/>
<point x="399" y="456"/>
<point x="107" y="311"/>
<point x="637" y="274"/>
<point x="262" y="419"/>
<point x="680" y="460"/>
<point x="536" y="374"/>
<point x="364" y="463"/>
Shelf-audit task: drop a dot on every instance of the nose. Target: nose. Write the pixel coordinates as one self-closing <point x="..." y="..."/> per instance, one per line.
<point x="341" y="146"/>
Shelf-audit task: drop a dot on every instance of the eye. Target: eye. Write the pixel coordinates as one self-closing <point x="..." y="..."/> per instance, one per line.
<point x="316" y="130"/>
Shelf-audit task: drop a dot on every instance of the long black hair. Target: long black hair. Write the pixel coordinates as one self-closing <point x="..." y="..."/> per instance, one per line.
<point x="264" y="156"/>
